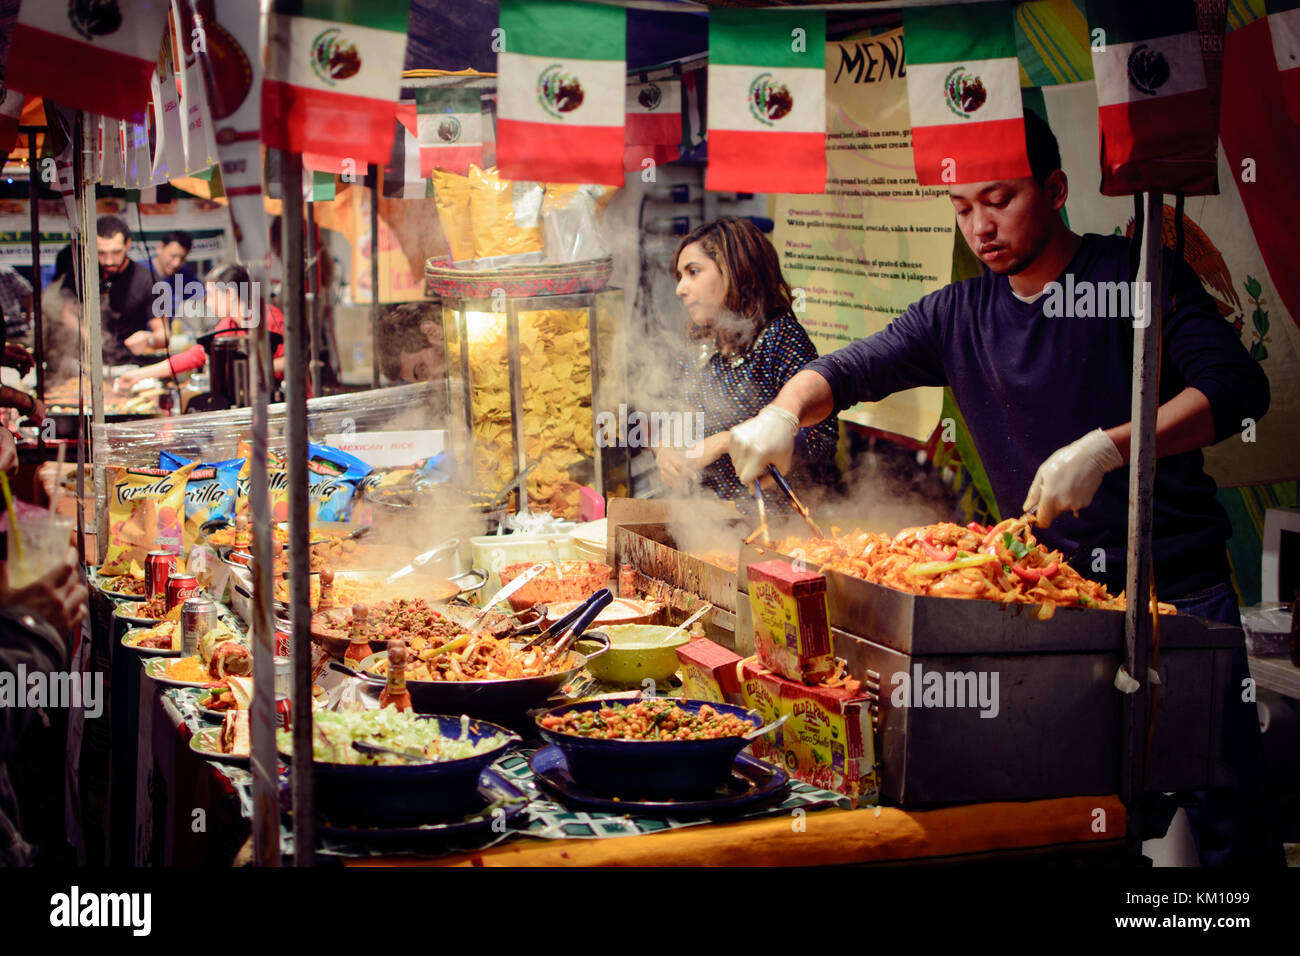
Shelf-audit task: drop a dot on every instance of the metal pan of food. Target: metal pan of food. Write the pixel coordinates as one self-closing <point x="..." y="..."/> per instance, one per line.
<point x="331" y="628"/>
<point x="347" y="588"/>
<point x="500" y="697"/>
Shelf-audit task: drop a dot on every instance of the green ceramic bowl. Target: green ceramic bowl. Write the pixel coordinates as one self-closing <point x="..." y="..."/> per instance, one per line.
<point x="635" y="654"/>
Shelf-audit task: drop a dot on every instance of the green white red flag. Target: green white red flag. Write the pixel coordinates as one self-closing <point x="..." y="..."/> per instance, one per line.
<point x="450" y="124"/>
<point x="402" y="177"/>
<point x="767" y="101"/>
<point x="560" y="80"/>
<point x="1284" y="26"/>
<point x="963" y="89"/>
<point x="1155" y="112"/>
<point x="654" y="123"/>
<point x="96" y="57"/>
<point x="333" y="76"/>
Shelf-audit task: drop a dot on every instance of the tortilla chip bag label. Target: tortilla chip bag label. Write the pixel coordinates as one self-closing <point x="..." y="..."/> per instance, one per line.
<point x="333" y="477"/>
<point x="209" y="495"/>
<point x="146" y="512"/>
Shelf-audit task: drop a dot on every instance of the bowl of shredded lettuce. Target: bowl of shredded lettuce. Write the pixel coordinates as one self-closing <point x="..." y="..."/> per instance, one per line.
<point x="383" y="790"/>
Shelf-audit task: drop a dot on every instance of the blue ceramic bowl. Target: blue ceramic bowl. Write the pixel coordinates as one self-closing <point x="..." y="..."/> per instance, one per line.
<point x="650" y="769"/>
<point x="408" y="794"/>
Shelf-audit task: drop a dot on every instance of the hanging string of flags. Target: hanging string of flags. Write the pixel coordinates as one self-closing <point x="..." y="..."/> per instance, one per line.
<point x="188" y="93"/>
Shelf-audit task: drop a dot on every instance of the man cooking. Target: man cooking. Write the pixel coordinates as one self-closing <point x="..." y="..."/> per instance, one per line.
<point x="1047" y="401"/>
<point x="126" y="297"/>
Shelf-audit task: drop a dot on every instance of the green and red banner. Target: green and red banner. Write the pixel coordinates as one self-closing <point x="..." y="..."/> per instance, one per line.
<point x="96" y="57"/>
<point x="654" y="123"/>
<point x="767" y="101"/>
<point x="963" y="89"/>
<point x="1155" y="111"/>
<point x="560" y="79"/>
<point x="333" y="76"/>
<point x="1284" y="26"/>
<point x="450" y="130"/>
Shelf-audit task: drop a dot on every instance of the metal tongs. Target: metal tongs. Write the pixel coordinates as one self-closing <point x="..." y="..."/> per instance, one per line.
<point x="570" y="627"/>
<point x="794" y="500"/>
<point x="761" y="530"/>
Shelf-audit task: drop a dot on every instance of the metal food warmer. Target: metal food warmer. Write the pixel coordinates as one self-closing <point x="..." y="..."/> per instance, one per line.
<point x="1057" y="728"/>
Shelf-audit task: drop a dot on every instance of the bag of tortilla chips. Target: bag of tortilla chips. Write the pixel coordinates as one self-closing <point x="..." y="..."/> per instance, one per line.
<point x="146" y="512"/>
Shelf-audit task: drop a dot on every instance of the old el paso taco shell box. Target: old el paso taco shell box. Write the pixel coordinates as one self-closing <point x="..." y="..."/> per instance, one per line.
<point x="827" y="741"/>
<point x="791" y="633"/>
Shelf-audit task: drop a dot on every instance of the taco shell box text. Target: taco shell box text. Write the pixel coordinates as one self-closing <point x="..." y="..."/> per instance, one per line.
<point x="828" y="739"/>
<point x="791" y="633"/>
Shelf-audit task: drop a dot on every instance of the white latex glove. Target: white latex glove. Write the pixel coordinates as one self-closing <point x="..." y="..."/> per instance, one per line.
<point x="766" y="439"/>
<point x="1070" y="477"/>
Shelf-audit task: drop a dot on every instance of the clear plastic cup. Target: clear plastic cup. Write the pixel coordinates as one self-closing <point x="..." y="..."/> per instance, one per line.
<point x="45" y="543"/>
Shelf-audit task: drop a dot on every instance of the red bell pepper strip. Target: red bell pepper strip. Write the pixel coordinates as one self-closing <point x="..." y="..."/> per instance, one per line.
<point x="935" y="553"/>
<point x="1034" y="575"/>
<point x="977" y="528"/>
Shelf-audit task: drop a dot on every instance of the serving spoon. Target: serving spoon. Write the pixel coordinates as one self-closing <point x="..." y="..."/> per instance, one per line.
<point x="765" y="729"/>
<point x="367" y="748"/>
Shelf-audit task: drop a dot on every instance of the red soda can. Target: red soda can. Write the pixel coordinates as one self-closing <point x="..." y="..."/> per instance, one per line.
<point x="158" y="566"/>
<point x="283" y="711"/>
<point x="180" y="587"/>
<point x="283" y="637"/>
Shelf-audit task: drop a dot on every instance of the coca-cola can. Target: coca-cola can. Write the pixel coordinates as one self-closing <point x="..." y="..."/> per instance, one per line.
<point x="283" y="638"/>
<point x="283" y="675"/>
<point x="283" y="712"/>
<point x="158" y="566"/>
<point x="198" y="616"/>
<point x="180" y="587"/>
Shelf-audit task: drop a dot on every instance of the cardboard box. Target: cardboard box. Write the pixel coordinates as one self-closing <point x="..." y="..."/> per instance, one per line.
<point x="709" y="672"/>
<point x="827" y="741"/>
<point x="791" y="633"/>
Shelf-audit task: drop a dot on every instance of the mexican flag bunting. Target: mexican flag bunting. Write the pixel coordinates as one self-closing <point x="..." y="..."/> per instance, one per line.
<point x="963" y="89"/>
<point x="402" y="178"/>
<point x="169" y="153"/>
<point x="560" y="81"/>
<point x="1284" y="25"/>
<point x="333" y="76"/>
<point x="11" y="112"/>
<point x="450" y="130"/>
<point x="232" y="67"/>
<point x="96" y="57"/>
<point x="1156" y="115"/>
<point x="767" y="101"/>
<point x="654" y="123"/>
<point x="317" y="186"/>
<point x="199" y="143"/>
<point x="111" y="171"/>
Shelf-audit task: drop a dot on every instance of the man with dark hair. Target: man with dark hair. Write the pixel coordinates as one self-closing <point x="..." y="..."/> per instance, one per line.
<point x="173" y="280"/>
<point x="1045" y="389"/>
<point x="126" y="297"/>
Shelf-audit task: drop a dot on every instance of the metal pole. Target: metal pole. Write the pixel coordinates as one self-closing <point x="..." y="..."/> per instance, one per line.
<point x="375" y="173"/>
<point x="311" y="288"/>
<point x="296" y="370"/>
<point x="597" y="405"/>
<point x="263" y="762"/>
<point x="38" y="324"/>
<point x="85" y="194"/>
<point x="517" y="401"/>
<point x="1142" y="461"/>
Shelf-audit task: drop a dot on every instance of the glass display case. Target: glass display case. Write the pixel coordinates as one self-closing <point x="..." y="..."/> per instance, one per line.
<point x="531" y="393"/>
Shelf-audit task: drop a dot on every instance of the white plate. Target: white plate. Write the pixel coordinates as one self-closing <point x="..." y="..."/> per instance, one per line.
<point x="145" y="651"/>
<point x="207" y="744"/>
<point x="156" y="667"/>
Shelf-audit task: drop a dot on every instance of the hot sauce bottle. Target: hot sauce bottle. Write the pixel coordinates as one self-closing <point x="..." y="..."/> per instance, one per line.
<point x="359" y="648"/>
<point x="395" y="692"/>
<point x="326" y="601"/>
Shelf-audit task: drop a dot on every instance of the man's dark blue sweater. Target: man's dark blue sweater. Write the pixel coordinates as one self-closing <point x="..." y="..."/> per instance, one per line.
<point x="1029" y="383"/>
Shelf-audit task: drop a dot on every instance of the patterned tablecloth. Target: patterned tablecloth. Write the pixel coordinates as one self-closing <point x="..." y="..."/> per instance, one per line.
<point x="543" y="818"/>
